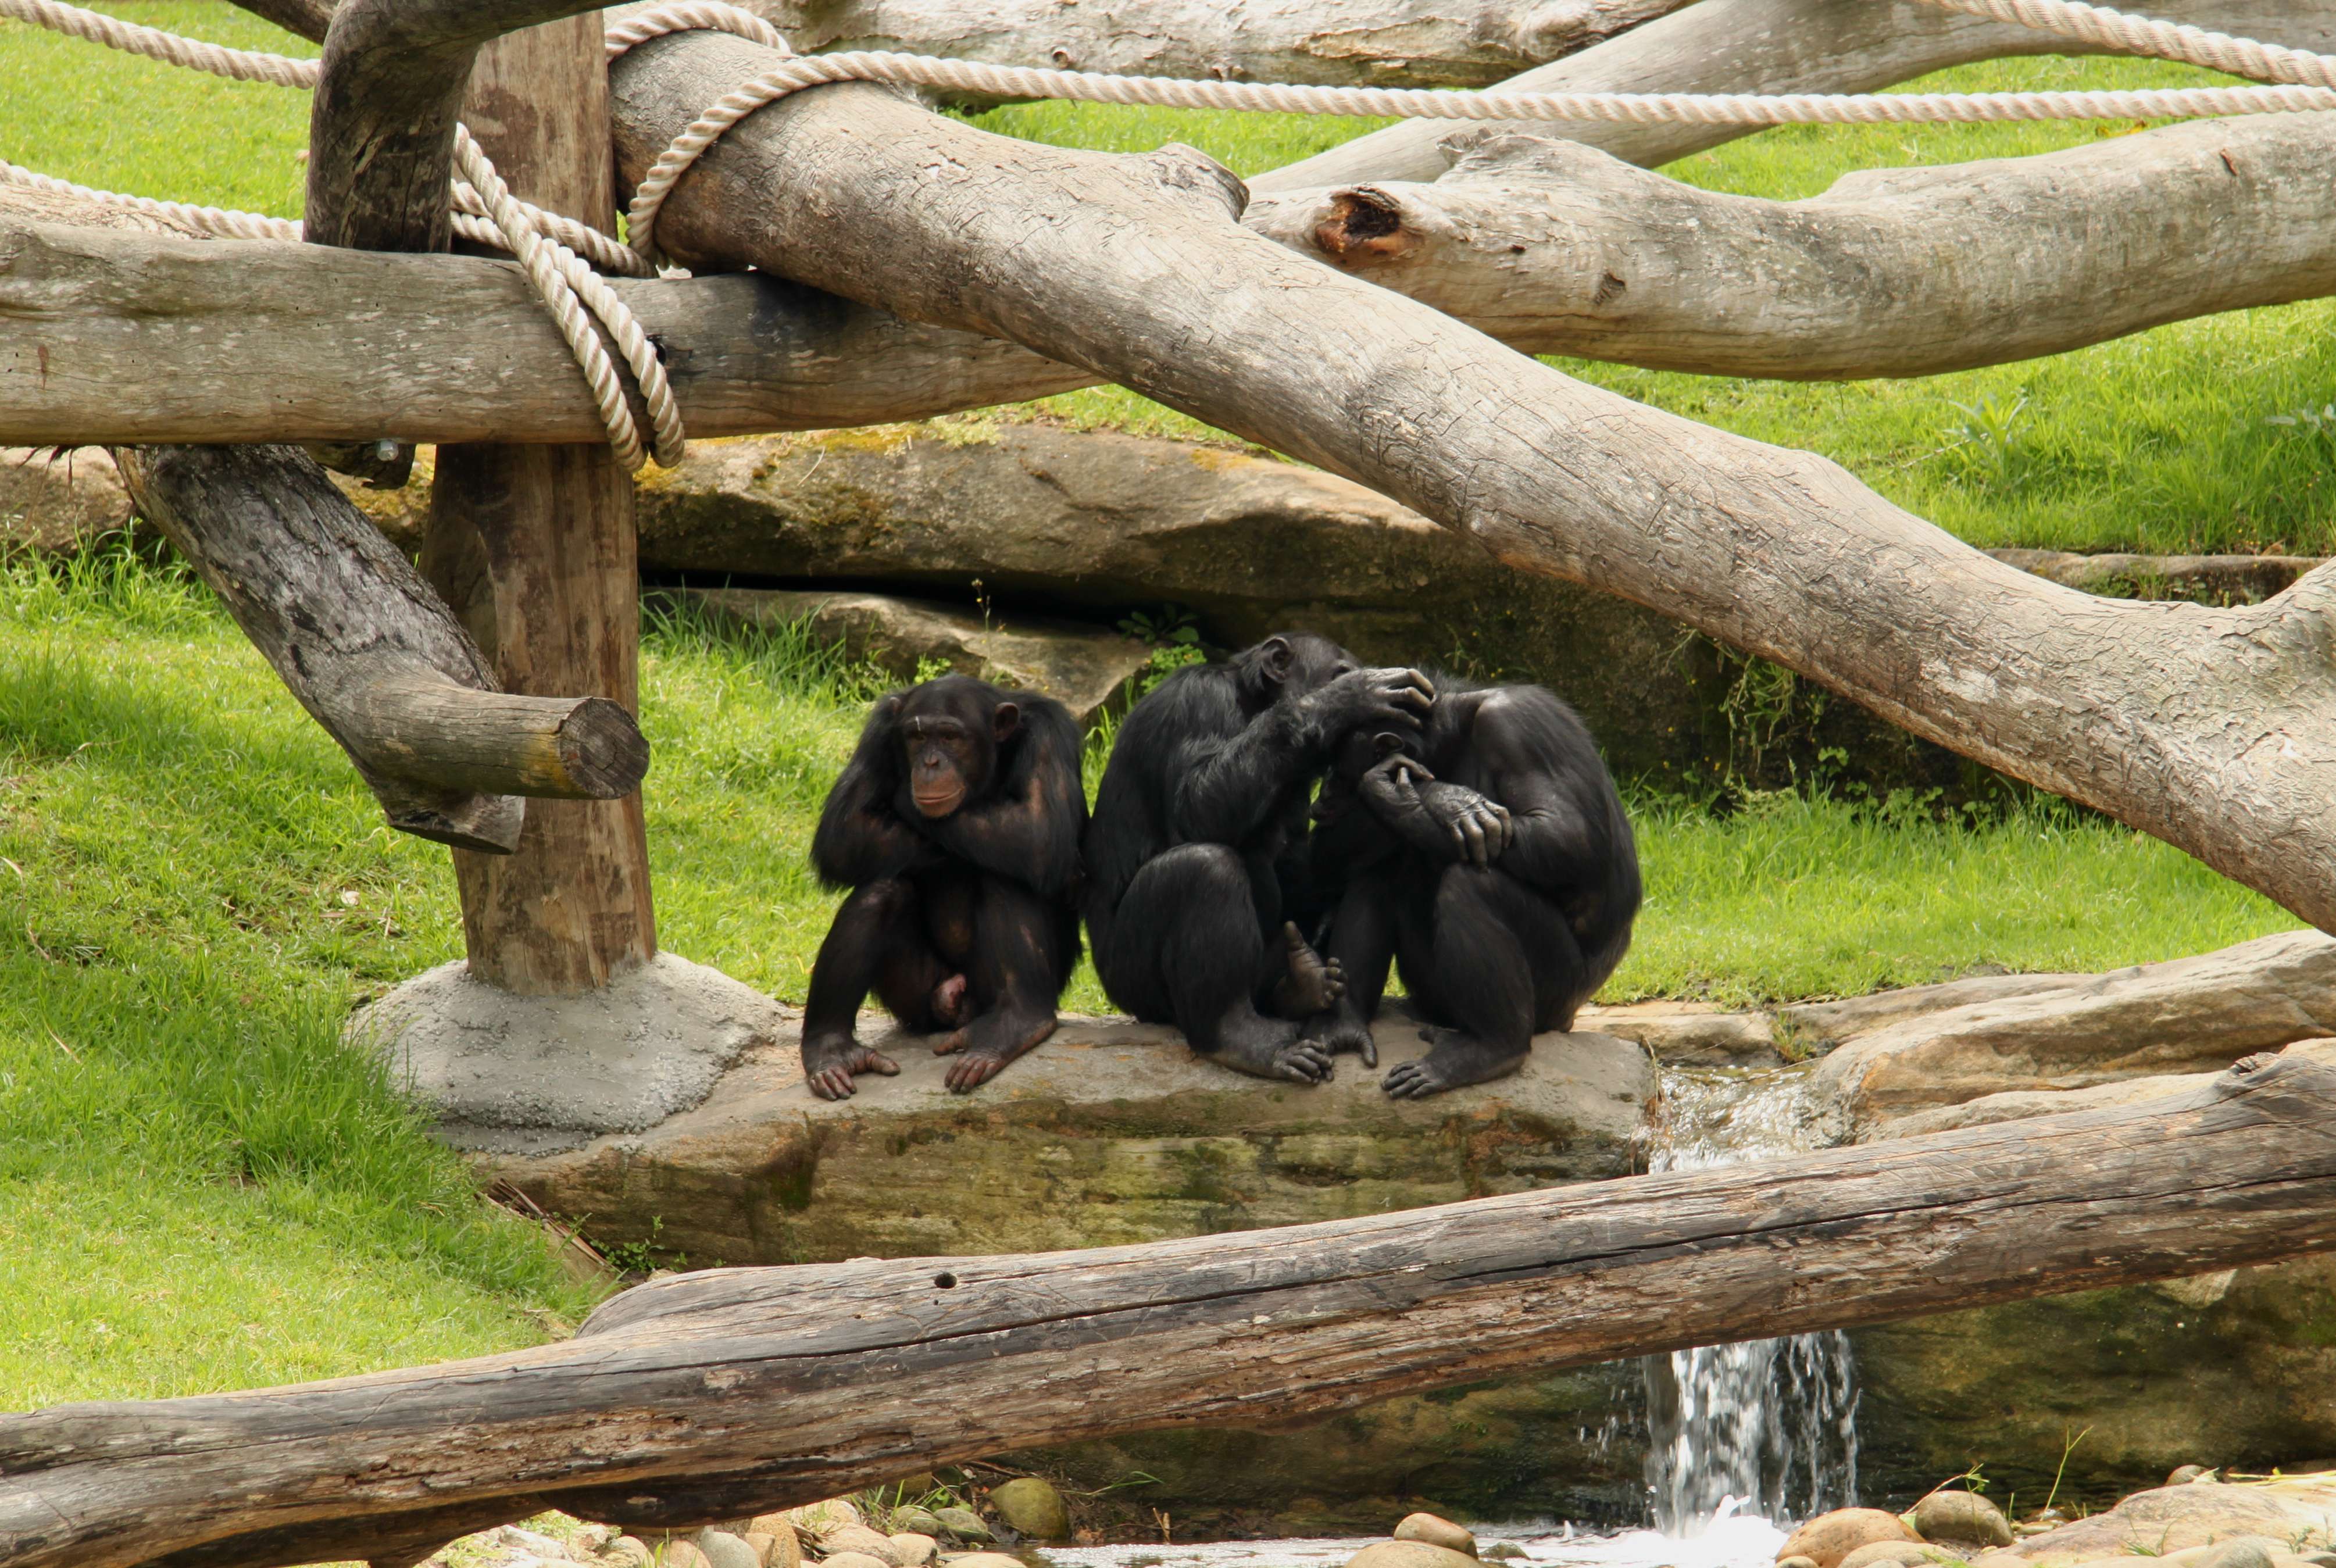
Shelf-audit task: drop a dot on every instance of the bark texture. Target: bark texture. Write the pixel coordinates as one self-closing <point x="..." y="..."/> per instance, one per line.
<point x="1554" y="248"/>
<point x="1769" y="47"/>
<point x="711" y="1395"/>
<point x="110" y="336"/>
<point x="1382" y="43"/>
<point x="371" y="653"/>
<point x="534" y="548"/>
<point x="2210" y="729"/>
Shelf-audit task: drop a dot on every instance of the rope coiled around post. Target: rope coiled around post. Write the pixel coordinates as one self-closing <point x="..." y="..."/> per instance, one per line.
<point x="548" y="245"/>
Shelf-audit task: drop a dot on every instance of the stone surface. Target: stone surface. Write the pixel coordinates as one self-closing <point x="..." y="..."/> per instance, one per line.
<point x="987" y="1559"/>
<point x="2014" y="1105"/>
<point x="1903" y="1554"/>
<point x="1110" y="1131"/>
<point x="516" y="1072"/>
<point x="1085" y="668"/>
<point x="1032" y="1507"/>
<point x="854" y="1560"/>
<point x="1817" y="1027"/>
<point x="2203" y="578"/>
<point x="766" y="1546"/>
<point x="1830" y="1537"/>
<point x="58" y="503"/>
<point x="915" y="1547"/>
<point x="2187" y="1016"/>
<point x="1409" y="1554"/>
<point x="785" y="1550"/>
<point x="860" y="1538"/>
<point x="2172" y="1519"/>
<point x="2240" y="1364"/>
<point x="724" y="1550"/>
<point x="817" y="1519"/>
<point x="1691" y="1033"/>
<point x="680" y="1553"/>
<point x="1964" y="1517"/>
<point x="963" y="1525"/>
<point x="917" y="1520"/>
<point x="1435" y="1530"/>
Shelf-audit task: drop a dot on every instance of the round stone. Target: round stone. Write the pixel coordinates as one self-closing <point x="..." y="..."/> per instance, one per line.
<point x="1409" y="1554"/>
<point x="962" y="1523"/>
<point x="1829" y="1538"/>
<point x="724" y="1550"/>
<point x="1437" y="1532"/>
<point x="1961" y="1516"/>
<point x="1033" y="1508"/>
<point x="916" y="1548"/>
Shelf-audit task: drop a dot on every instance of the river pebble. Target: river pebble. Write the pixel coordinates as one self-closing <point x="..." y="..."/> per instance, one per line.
<point x="916" y="1548"/>
<point x="724" y="1550"/>
<point x="1436" y="1531"/>
<point x="1829" y="1538"/>
<point x="846" y="1539"/>
<point x="1409" y="1554"/>
<point x="963" y="1525"/>
<point x="1961" y="1516"/>
<point x="1033" y="1507"/>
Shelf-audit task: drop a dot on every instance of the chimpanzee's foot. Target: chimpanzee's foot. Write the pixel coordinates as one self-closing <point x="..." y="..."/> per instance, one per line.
<point x="832" y="1060"/>
<point x="1313" y="984"/>
<point x="1454" y="1059"/>
<point x="985" y="1047"/>
<point x="1266" y="1047"/>
<point x="1338" y="1032"/>
<point x="948" y="1002"/>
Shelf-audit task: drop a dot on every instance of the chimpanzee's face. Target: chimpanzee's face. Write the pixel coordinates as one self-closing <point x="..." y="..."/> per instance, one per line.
<point x="950" y="739"/>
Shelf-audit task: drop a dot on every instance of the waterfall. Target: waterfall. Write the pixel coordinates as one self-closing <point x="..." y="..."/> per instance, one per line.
<point x="1769" y="1426"/>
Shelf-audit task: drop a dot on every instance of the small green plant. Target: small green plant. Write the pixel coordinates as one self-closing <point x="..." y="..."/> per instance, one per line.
<point x="1986" y="444"/>
<point x="2068" y="1446"/>
<point x="930" y="668"/>
<point x="1170" y="626"/>
<point x="2315" y="425"/>
<point x="640" y="1257"/>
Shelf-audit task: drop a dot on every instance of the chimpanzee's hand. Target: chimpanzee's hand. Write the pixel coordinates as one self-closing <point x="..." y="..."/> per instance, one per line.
<point x="1372" y="699"/>
<point x="1391" y="788"/>
<point x="1478" y="827"/>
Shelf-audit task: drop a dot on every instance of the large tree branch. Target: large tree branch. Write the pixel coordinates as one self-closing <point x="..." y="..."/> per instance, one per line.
<point x="712" y="1395"/>
<point x="372" y="653"/>
<point x="1554" y="248"/>
<point x="109" y="336"/>
<point x="1768" y="46"/>
<point x="2212" y="729"/>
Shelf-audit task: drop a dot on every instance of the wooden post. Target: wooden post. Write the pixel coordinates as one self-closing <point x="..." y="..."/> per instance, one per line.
<point x="533" y="547"/>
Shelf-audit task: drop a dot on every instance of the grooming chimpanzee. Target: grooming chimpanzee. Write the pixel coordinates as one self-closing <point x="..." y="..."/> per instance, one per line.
<point x="1491" y="859"/>
<point x="956" y="827"/>
<point x="1189" y="858"/>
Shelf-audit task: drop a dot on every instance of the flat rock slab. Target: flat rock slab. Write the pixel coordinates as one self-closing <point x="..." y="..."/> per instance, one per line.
<point x="1110" y="1132"/>
<point x="2300" y="1510"/>
<point x="517" y="1072"/>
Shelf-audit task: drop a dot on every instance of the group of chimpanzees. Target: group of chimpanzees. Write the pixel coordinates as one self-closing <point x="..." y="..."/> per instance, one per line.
<point x="1468" y="834"/>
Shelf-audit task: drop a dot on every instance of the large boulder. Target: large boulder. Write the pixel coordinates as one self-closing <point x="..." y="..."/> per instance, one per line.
<point x="2190" y="1015"/>
<point x="1084" y="668"/>
<point x="56" y="503"/>
<point x="2162" y="1522"/>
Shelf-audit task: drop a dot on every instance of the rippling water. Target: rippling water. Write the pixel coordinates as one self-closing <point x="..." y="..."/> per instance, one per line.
<point x="1731" y="1541"/>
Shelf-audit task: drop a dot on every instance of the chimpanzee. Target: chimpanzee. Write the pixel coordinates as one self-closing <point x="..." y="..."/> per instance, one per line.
<point x="1189" y="855"/>
<point x="957" y="826"/>
<point x="1491" y="859"/>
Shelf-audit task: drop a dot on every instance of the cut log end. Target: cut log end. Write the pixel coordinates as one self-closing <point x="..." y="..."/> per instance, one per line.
<point x="443" y="735"/>
<point x="603" y="756"/>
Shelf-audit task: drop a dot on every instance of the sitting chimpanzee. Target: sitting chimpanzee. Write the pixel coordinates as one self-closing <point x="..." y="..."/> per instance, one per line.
<point x="1188" y="856"/>
<point x="1491" y="859"/>
<point x="956" y="827"/>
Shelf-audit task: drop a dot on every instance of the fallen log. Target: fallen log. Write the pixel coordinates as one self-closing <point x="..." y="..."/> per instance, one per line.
<point x="711" y="1395"/>
<point x="1136" y="268"/>
<point x="1554" y="248"/>
<point x="1381" y="42"/>
<point x="372" y="653"/>
<point x="1768" y="46"/>
<point x="109" y="337"/>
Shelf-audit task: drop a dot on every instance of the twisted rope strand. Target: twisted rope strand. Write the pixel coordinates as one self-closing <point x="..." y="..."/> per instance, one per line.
<point x="193" y="54"/>
<point x="2129" y="34"/>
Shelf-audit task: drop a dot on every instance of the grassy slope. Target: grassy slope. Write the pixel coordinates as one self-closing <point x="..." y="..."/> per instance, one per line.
<point x="193" y="888"/>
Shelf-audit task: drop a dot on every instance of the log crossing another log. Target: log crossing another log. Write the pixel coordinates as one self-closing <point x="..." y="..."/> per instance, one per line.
<point x="1554" y="248"/>
<point x="709" y="1396"/>
<point x="1136" y="268"/>
<point x="372" y="653"/>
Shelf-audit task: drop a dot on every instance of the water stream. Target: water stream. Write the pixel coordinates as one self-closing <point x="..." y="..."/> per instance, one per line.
<point x="1766" y="1427"/>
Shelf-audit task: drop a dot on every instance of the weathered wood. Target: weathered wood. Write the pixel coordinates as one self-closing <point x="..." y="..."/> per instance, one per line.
<point x="307" y="18"/>
<point x="1382" y="43"/>
<point x="707" y="1396"/>
<point x="1770" y="47"/>
<point x="534" y="548"/>
<point x="1135" y="269"/>
<point x="370" y="652"/>
<point x="112" y="337"/>
<point x="1554" y="248"/>
<point x="381" y="130"/>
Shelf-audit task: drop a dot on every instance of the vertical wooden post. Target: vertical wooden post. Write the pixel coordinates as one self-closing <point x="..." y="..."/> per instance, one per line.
<point x="533" y="547"/>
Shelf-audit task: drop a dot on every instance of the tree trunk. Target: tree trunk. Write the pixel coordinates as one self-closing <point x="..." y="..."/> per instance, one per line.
<point x="2214" y="729"/>
<point x="534" y="548"/>
<point x="110" y="336"/>
<point x="1554" y="248"/>
<point x="1382" y="43"/>
<point x="369" y="651"/>
<point x="1768" y="46"/>
<point x="709" y="1396"/>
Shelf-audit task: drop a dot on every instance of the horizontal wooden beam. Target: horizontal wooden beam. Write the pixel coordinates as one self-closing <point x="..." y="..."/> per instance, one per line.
<point x="110" y="336"/>
<point x="709" y="1396"/>
<point x="372" y="653"/>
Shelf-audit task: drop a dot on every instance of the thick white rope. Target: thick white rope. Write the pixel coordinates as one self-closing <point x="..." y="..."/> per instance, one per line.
<point x="547" y="243"/>
<point x="2129" y="34"/>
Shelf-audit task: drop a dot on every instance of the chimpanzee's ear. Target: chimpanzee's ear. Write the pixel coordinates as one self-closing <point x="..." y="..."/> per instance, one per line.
<point x="1006" y="721"/>
<point x="1278" y="655"/>
<point x="1387" y="744"/>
